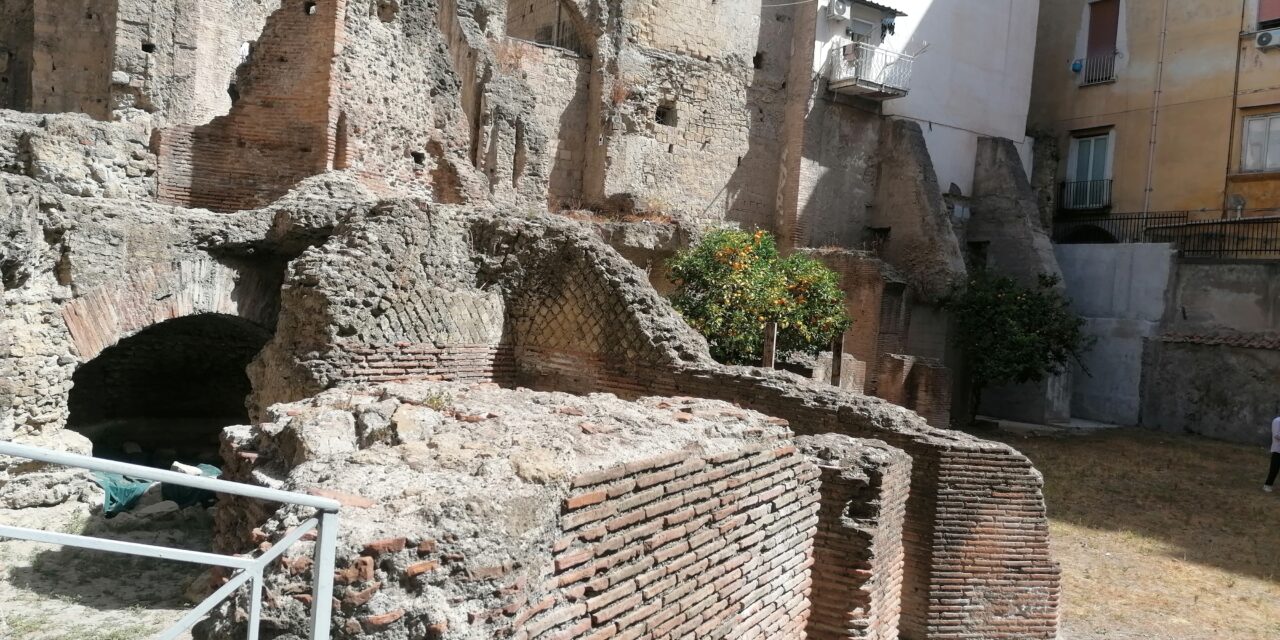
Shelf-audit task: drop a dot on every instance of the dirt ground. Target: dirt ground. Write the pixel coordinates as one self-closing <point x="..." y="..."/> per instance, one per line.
<point x="49" y="592"/>
<point x="1160" y="536"/>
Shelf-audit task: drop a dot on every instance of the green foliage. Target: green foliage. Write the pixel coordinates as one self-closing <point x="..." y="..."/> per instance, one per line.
<point x="733" y="283"/>
<point x="1010" y="333"/>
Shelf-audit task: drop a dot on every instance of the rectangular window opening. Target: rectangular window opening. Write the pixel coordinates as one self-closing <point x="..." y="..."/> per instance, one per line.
<point x="1261" y="143"/>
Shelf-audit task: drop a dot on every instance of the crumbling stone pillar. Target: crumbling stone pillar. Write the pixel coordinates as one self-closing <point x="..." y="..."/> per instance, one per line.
<point x="858" y="552"/>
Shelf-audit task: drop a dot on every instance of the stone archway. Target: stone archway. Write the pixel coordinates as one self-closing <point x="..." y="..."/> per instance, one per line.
<point x="143" y="297"/>
<point x="167" y="344"/>
<point x="164" y="393"/>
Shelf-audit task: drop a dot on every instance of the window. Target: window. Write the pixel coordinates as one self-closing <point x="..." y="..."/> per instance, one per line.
<point x="1268" y="14"/>
<point x="1100" y="57"/>
<point x="1088" y="184"/>
<point x="1261" y="143"/>
<point x="665" y="114"/>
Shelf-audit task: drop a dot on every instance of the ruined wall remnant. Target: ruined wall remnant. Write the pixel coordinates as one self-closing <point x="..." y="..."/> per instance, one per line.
<point x="576" y="317"/>
<point x="910" y="211"/>
<point x="668" y="516"/>
<point x="378" y="173"/>
<point x="178" y="60"/>
<point x="279" y="129"/>
<point x="858" y="552"/>
<point x="1006" y="221"/>
<point x="71" y="61"/>
<point x="17" y="41"/>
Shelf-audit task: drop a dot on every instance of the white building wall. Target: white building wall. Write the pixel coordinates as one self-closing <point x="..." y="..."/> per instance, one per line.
<point x="972" y="76"/>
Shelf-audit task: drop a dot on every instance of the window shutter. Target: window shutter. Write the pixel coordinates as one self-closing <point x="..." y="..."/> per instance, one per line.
<point x="1268" y="11"/>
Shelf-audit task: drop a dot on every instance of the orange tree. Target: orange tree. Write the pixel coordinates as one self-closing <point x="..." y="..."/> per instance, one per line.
<point x="1012" y="334"/>
<point x="733" y="283"/>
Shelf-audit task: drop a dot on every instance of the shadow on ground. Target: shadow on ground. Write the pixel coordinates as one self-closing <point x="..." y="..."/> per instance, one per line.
<point x="102" y="580"/>
<point x="1202" y="497"/>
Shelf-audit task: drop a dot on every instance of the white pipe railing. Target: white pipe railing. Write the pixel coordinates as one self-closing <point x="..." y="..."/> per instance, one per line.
<point x="1099" y="69"/>
<point x="867" y="64"/>
<point x="250" y="570"/>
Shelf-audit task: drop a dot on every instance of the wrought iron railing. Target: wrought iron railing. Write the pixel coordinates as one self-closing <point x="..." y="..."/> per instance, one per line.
<point x="1238" y="239"/>
<point x="1255" y="234"/>
<point x="250" y="570"/>
<point x="1099" y="69"/>
<point x="870" y="66"/>
<point x="1102" y="228"/>
<point x="1085" y="195"/>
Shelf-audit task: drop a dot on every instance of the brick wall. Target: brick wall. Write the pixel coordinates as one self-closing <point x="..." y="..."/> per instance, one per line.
<point x="579" y="319"/>
<point x="684" y="547"/>
<point x="920" y="384"/>
<point x="977" y="558"/>
<point x="858" y="551"/>
<point x="278" y="132"/>
<point x="418" y="361"/>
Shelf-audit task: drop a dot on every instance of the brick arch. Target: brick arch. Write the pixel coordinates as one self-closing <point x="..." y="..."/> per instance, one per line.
<point x="150" y="295"/>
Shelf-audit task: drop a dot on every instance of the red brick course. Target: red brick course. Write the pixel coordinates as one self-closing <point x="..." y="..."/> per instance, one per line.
<point x="717" y="547"/>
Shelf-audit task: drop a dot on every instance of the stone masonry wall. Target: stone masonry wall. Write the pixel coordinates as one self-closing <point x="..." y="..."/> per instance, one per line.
<point x="662" y="518"/>
<point x="71" y="57"/>
<point x="178" y="59"/>
<point x="278" y="132"/>
<point x="17" y="39"/>
<point x="563" y="79"/>
<point x="578" y="318"/>
<point x="858" y="552"/>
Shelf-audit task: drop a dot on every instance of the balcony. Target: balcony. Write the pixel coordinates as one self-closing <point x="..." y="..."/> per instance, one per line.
<point x="1098" y="69"/>
<point x="868" y="71"/>
<point x="1087" y="195"/>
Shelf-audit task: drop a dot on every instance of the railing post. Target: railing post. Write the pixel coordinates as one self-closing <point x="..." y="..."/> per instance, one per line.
<point x="322" y="594"/>
<point x="837" y="359"/>
<point x="255" y="604"/>
<point x="770" y="345"/>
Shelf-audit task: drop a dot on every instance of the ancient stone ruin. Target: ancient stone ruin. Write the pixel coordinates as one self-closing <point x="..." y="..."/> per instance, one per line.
<point x="363" y="249"/>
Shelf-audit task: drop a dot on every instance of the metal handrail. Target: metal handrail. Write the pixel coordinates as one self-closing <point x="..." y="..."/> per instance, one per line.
<point x="325" y="523"/>
<point x="871" y="64"/>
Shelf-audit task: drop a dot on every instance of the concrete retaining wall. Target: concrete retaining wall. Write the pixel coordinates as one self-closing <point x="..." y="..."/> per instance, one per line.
<point x="1120" y="290"/>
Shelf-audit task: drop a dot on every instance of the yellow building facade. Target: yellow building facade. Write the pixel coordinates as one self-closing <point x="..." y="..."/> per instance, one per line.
<point x="1161" y="105"/>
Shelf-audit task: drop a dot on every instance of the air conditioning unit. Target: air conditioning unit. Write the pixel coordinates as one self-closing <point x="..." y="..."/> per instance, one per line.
<point x="839" y="10"/>
<point x="1265" y="39"/>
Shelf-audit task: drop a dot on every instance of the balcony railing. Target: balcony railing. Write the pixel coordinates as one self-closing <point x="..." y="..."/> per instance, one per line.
<point x="872" y="72"/>
<point x="1099" y="69"/>
<point x="1085" y="195"/>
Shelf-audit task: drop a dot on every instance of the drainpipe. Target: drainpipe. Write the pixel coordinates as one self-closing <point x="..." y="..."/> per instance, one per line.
<point x="1235" y="101"/>
<point x="1155" y="109"/>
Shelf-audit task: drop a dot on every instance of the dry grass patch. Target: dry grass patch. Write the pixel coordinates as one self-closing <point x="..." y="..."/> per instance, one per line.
<point x="1160" y="536"/>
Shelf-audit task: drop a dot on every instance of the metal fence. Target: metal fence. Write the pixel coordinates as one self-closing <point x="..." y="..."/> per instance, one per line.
<point x="1239" y="239"/>
<point x="249" y="570"/>
<point x="1256" y="236"/>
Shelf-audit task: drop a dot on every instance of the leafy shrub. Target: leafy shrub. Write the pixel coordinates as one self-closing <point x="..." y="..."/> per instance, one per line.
<point x="733" y="283"/>
<point x="1010" y="333"/>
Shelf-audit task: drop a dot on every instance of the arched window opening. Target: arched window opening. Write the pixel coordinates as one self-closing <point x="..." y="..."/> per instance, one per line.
<point x="548" y="22"/>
